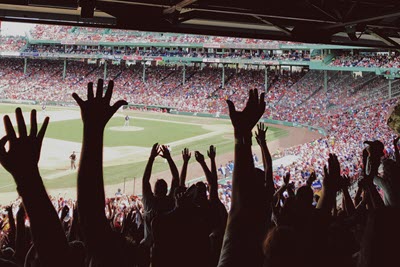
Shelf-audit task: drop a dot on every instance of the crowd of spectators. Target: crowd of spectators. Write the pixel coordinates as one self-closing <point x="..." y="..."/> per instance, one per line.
<point x="85" y="34"/>
<point x="44" y="49"/>
<point x="12" y="43"/>
<point x="367" y="60"/>
<point x="267" y="219"/>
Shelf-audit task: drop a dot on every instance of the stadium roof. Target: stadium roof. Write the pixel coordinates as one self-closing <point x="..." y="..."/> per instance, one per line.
<point x="347" y="22"/>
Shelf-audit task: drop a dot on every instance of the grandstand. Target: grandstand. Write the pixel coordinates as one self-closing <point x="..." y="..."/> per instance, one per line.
<point x="307" y="85"/>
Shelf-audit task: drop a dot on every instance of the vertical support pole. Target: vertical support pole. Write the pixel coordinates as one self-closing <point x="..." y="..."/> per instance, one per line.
<point x="390" y="88"/>
<point x="25" y="65"/>
<point x="266" y="78"/>
<point x="184" y="74"/>
<point x="144" y="72"/>
<point x="223" y="75"/>
<point x="65" y="69"/>
<point x="325" y="81"/>
<point x="105" y="70"/>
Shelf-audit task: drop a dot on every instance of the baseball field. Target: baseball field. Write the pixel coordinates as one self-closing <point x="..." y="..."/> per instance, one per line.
<point x="126" y="148"/>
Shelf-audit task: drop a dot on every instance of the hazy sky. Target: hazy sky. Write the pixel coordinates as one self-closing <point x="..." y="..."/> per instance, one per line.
<point x="14" y="28"/>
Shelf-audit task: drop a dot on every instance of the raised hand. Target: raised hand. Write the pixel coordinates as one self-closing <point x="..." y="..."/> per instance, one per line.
<point x="344" y="182"/>
<point x="396" y="150"/>
<point x="331" y="184"/>
<point x="286" y="179"/>
<point x="186" y="155"/>
<point x="261" y="133"/>
<point x="244" y="121"/>
<point x="311" y="179"/>
<point x="199" y="157"/>
<point x="165" y="152"/>
<point x="332" y="174"/>
<point x="96" y="110"/>
<point x="155" y="151"/>
<point x="212" y="152"/>
<point x="24" y="151"/>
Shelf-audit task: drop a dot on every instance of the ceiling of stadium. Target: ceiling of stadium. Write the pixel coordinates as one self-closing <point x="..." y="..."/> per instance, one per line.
<point x="349" y="22"/>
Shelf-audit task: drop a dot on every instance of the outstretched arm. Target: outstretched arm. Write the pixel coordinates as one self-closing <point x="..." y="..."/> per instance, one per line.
<point x="20" y="240"/>
<point x="186" y="157"/>
<point x="146" y="187"/>
<point x="21" y="160"/>
<point x="261" y="135"/>
<point x="330" y="184"/>
<point x="246" y="223"/>
<point x="174" y="170"/>
<point x="96" y="112"/>
<point x="210" y="179"/>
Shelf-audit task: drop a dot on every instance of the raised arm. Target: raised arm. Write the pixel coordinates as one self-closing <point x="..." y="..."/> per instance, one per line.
<point x="21" y="247"/>
<point x="210" y="180"/>
<point x="396" y="150"/>
<point x="261" y="136"/>
<point x="96" y="112"/>
<point x="174" y="170"/>
<point x="146" y="187"/>
<point x="21" y="160"/>
<point x="186" y="157"/>
<point x="330" y="184"/>
<point x="348" y="202"/>
<point x="246" y="224"/>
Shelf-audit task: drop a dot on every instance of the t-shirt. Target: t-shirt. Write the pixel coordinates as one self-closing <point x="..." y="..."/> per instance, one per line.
<point x="72" y="157"/>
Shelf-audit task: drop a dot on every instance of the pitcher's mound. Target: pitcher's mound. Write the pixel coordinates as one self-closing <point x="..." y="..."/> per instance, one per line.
<point x="126" y="128"/>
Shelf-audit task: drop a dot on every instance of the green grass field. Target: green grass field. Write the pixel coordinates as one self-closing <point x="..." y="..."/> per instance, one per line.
<point x="159" y="128"/>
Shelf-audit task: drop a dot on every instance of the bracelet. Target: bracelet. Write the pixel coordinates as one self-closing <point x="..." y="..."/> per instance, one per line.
<point x="243" y="140"/>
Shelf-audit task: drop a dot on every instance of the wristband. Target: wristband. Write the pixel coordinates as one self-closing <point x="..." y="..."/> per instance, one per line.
<point x="243" y="140"/>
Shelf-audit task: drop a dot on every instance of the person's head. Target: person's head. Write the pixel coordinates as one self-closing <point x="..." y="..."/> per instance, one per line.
<point x="279" y="241"/>
<point x="304" y="196"/>
<point x="182" y="196"/>
<point x="201" y="194"/>
<point x="160" y="188"/>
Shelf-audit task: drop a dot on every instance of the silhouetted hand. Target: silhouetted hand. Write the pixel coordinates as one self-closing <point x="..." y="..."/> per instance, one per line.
<point x="186" y="155"/>
<point x="96" y="110"/>
<point x="199" y="157"/>
<point x="23" y="154"/>
<point x="155" y="151"/>
<point x="396" y="150"/>
<point x="344" y="182"/>
<point x="261" y="133"/>
<point x="286" y="179"/>
<point x="212" y="152"/>
<point x="244" y="121"/>
<point x="165" y="152"/>
<point x="311" y="179"/>
<point x="332" y="174"/>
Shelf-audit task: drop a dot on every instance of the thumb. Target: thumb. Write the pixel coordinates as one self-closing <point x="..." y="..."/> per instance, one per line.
<point x="118" y="104"/>
<point x="231" y="107"/>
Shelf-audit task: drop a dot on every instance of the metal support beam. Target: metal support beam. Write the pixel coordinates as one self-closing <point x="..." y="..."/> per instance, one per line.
<point x="325" y="81"/>
<point x="25" y="65"/>
<point x="144" y="73"/>
<point x="223" y="76"/>
<point x="390" y="88"/>
<point x="65" y="69"/>
<point x="184" y="74"/>
<point x="105" y="70"/>
<point x="266" y="78"/>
